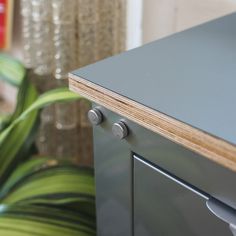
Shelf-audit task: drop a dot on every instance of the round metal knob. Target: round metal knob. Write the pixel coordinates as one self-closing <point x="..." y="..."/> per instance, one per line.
<point x="120" y="130"/>
<point x="95" y="116"/>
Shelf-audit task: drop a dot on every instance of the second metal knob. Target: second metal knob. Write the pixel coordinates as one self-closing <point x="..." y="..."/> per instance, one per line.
<point x="95" y="116"/>
<point x="120" y="130"/>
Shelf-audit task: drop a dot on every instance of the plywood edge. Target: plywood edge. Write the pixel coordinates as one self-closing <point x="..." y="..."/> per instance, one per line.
<point x="209" y="146"/>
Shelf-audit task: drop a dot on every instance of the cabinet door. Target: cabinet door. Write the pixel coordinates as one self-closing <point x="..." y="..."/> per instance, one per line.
<point x="166" y="206"/>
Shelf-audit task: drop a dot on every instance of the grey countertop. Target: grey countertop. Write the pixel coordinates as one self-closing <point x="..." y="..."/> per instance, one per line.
<point x="190" y="76"/>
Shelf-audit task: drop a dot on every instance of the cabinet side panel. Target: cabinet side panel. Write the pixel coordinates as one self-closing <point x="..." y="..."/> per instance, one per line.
<point x="113" y="175"/>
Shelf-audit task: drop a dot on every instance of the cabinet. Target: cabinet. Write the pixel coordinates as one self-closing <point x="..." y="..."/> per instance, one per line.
<point x="134" y="197"/>
<point x="174" y="171"/>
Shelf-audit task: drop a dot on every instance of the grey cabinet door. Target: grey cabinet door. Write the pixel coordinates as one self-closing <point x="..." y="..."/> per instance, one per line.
<point x="165" y="206"/>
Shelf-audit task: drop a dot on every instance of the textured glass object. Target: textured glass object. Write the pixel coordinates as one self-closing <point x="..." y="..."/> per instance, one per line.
<point x="111" y="28"/>
<point x="46" y="135"/>
<point x="42" y="33"/>
<point x="66" y="115"/>
<point x="87" y="31"/>
<point x="67" y="145"/>
<point x="65" y="60"/>
<point x="66" y="128"/>
<point x="60" y="36"/>
<point x="64" y="36"/>
<point x="65" y="112"/>
<point x="101" y="29"/>
<point x="26" y="30"/>
<point x="43" y="66"/>
<point x="106" y="31"/>
<point x="65" y="57"/>
<point x="119" y="26"/>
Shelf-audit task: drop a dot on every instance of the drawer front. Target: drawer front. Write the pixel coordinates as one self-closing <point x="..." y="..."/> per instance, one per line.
<point x="163" y="205"/>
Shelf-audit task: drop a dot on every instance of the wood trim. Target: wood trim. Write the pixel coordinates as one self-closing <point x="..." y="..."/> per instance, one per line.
<point x="209" y="146"/>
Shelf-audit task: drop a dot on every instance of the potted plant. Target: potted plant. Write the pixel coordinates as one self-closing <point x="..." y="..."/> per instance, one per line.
<point x="39" y="195"/>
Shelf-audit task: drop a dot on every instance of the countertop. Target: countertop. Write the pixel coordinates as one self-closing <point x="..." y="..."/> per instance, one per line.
<point x="182" y="87"/>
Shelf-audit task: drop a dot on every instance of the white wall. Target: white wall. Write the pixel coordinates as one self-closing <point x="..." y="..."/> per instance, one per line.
<point x="164" y="17"/>
<point x="134" y="23"/>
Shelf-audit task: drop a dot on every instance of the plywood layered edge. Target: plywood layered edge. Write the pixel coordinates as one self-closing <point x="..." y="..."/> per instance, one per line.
<point x="211" y="147"/>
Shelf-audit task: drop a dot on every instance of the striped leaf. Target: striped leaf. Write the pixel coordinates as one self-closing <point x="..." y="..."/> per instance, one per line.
<point x="71" y="200"/>
<point x="44" y="221"/>
<point x="21" y="128"/>
<point x="53" y="185"/>
<point x="24" y="170"/>
<point x="40" y="196"/>
<point x="16" y="141"/>
<point x="55" y="95"/>
<point x="4" y="121"/>
<point x="11" y="70"/>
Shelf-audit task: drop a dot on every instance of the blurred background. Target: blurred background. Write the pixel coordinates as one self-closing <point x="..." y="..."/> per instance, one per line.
<point x="53" y="37"/>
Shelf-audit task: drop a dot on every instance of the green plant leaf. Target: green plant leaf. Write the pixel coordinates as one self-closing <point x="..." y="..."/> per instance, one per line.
<point x="53" y="185"/>
<point x="16" y="142"/>
<point x="11" y="70"/>
<point x="55" y="95"/>
<point x="28" y="168"/>
<point x="25" y="169"/>
<point x="16" y="134"/>
<point x="27" y="94"/>
<point x="4" y="121"/>
<point x="44" y="221"/>
<point x="40" y="196"/>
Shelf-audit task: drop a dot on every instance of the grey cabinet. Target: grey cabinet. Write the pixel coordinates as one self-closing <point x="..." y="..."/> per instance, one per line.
<point x="148" y="185"/>
<point x="174" y="171"/>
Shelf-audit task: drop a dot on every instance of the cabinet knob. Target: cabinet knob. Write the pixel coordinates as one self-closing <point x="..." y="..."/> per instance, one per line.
<point x="120" y="130"/>
<point x="95" y="116"/>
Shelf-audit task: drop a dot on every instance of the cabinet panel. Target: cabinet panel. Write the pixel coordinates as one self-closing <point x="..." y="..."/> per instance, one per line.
<point x="113" y="164"/>
<point x="166" y="206"/>
<point x="115" y="191"/>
